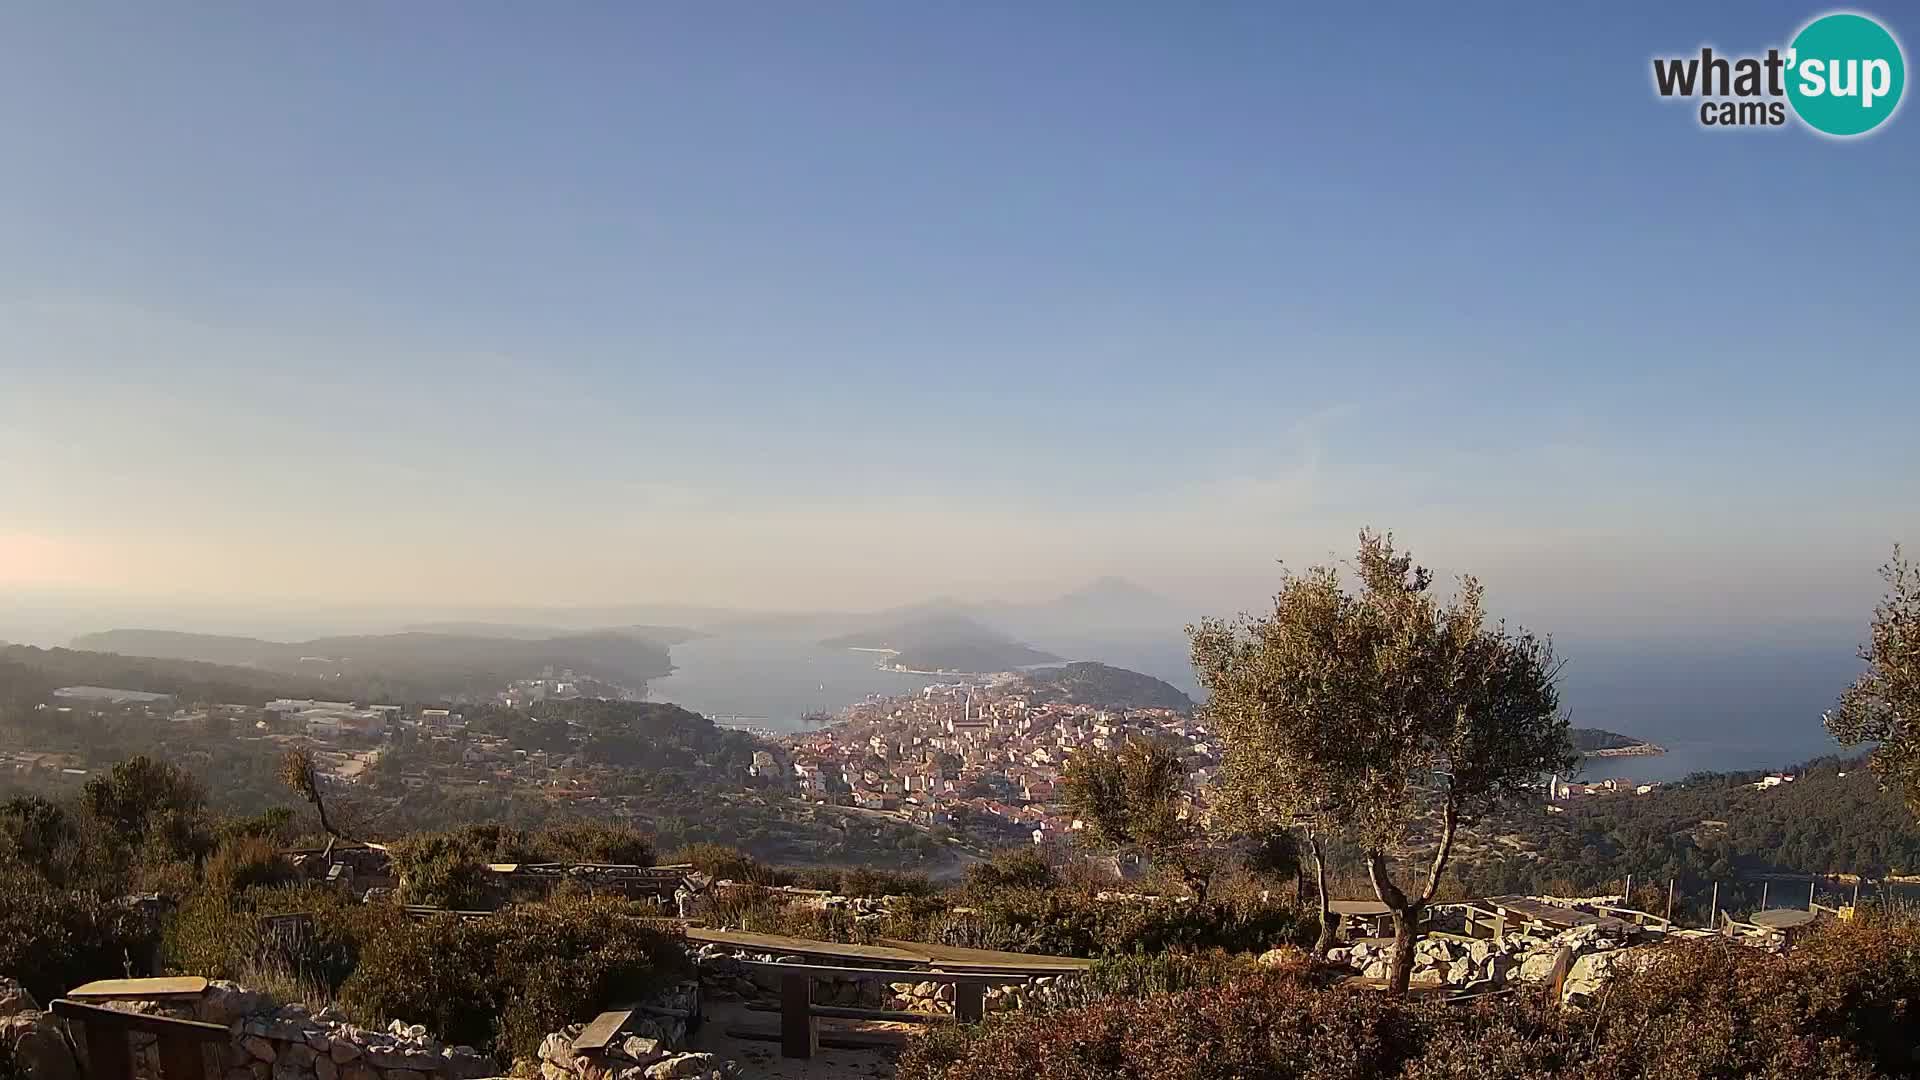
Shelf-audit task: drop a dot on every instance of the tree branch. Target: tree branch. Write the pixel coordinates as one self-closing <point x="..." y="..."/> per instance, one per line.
<point x="1449" y="823"/>
<point x="1383" y="887"/>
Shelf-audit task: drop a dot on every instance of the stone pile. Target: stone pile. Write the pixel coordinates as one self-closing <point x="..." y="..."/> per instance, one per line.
<point x="937" y="997"/>
<point x="268" y="1042"/>
<point x="32" y="1037"/>
<point x="632" y="1057"/>
<point x="1483" y="964"/>
<point x="724" y="975"/>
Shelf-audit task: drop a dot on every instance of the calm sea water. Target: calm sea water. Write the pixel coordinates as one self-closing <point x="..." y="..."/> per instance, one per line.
<point x="776" y="681"/>
<point x="1719" y="709"/>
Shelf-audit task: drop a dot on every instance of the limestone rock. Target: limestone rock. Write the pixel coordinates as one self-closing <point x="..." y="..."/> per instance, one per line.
<point x="34" y="1037"/>
<point x="14" y="999"/>
<point x="324" y="1068"/>
<point x="681" y="1066"/>
<point x="642" y="1051"/>
<point x="261" y="1049"/>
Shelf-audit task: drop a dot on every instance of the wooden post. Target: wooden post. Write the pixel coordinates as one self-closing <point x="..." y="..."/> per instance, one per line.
<point x="108" y="1056"/>
<point x="181" y="1059"/>
<point x="1669" y="902"/>
<point x="1628" y="901"/>
<point x="1713" y="912"/>
<point x="1856" y="893"/>
<point x="1557" y="978"/>
<point x="1811" y="886"/>
<point x="1763" y="894"/>
<point x="969" y="1001"/>
<point x="799" y="1033"/>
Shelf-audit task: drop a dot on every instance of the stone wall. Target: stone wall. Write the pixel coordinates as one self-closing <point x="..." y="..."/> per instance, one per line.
<point x="725" y="976"/>
<point x="631" y="1057"/>
<point x="269" y="1042"/>
<point x="1483" y="964"/>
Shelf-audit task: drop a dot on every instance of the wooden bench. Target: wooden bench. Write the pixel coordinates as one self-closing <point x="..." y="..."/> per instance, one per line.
<point x="799" y="1031"/>
<point x="109" y="1057"/>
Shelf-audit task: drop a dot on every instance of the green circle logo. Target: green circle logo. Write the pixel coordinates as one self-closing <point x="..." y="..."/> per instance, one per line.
<point x="1845" y="74"/>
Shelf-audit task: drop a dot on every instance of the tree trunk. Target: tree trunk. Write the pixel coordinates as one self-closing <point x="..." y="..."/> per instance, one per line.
<point x="1328" y="927"/>
<point x="1401" y="974"/>
<point x="1406" y="918"/>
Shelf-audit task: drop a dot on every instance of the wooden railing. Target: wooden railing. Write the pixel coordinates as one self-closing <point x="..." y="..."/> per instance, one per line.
<point x="799" y="1032"/>
<point x="110" y="1058"/>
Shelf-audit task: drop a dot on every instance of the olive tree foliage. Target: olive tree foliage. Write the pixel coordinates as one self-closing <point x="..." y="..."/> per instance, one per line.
<point x="1883" y="705"/>
<point x="1384" y="716"/>
<point x="1132" y="798"/>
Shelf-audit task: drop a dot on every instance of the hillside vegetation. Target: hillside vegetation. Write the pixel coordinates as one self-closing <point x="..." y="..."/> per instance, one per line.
<point x="1105" y="686"/>
<point x="408" y="666"/>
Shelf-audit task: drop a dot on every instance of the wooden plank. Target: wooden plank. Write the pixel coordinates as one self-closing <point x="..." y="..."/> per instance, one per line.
<point x="95" y="1017"/>
<point x="108" y="1056"/>
<point x="183" y="986"/>
<point x="1558" y="917"/>
<point x="835" y="971"/>
<point x="601" y="1030"/>
<point x="841" y="1012"/>
<point x="799" y="1034"/>
<point x="1783" y="918"/>
<point x="970" y="1001"/>
<point x="780" y="943"/>
<point x="1358" y="907"/>
<point x="181" y="1058"/>
<point x="952" y="957"/>
<point x="832" y="1040"/>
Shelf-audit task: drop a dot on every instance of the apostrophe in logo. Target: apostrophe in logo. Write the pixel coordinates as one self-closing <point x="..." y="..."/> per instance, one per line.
<point x="1845" y="74"/>
<point x="1842" y="76"/>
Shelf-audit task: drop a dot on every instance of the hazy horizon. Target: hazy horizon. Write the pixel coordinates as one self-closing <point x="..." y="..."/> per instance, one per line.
<point x="396" y="312"/>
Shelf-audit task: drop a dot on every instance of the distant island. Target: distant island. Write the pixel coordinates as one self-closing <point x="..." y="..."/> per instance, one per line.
<point x="943" y="644"/>
<point x="1104" y="686"/>
<point x="408" y="666"/>
<point x="1596" y="742"/>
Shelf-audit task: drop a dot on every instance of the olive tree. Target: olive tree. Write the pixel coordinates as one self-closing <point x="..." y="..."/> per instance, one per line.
<point x="1131" y="798"/>
<point x="1384" y="716"/>
<point x="1883" y="705"/>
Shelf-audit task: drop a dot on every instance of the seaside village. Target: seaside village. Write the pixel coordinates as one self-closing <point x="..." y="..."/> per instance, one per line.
<point x="988" y="752"/>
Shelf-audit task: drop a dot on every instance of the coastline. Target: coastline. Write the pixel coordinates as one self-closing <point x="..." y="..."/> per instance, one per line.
<point x="1636" y="750"/>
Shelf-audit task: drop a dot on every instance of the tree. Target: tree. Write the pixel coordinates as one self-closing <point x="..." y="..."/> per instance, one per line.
<point x="298" y="772"/>
<point x="140" y="794"/>
<point x="1380" y="716"/>
<point x="1133" y="798"/>
<point x="1883" y="705"/>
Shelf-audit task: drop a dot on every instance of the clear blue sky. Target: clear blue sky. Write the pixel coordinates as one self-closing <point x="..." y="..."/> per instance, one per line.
<point x="849" y="303"/>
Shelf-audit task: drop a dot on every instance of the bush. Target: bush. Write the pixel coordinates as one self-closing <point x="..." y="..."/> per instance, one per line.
<point x="244" y="862"/>
<point x="219" y="935"/>
<point x="52" y="940"/>
<point x="503" y="982"/>
<point x="1841" y="1004"/>
<point x="719" y="862"/>
<point x="443" y="870"/>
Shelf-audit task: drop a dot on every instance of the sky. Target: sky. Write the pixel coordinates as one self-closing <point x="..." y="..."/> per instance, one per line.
<point x="844" y="304"/>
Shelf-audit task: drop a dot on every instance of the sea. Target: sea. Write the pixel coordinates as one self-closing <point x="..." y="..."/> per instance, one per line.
<point x="1715" y="708"/>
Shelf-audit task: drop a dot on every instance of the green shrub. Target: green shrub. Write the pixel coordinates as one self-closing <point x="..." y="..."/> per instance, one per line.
<point x="1840" y="1004"/>
<point x="719" y="862"/>
<point x="443" y="870"/>
<point x="55" y="939"/>
<point x="220" y="935"/>
<point x="244" y="862"/>
<point x="504" y="981"/>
